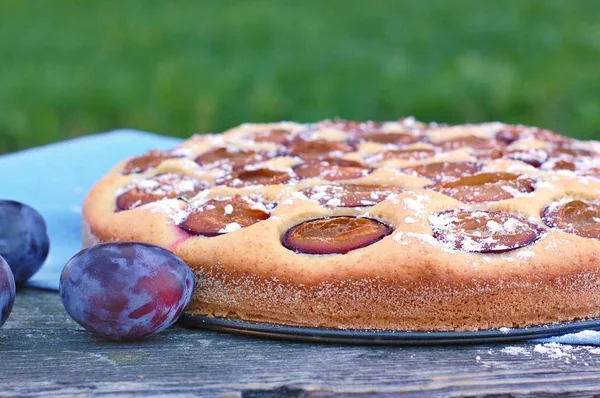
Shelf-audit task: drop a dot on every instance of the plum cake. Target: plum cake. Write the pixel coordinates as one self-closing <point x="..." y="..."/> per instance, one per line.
<point x="397" y="225"/>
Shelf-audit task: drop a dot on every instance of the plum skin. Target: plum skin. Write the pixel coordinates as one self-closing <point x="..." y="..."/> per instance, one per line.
<point x="24" y="242"/>
<point x="125" y="291"/>
<point x="7" y="291"/>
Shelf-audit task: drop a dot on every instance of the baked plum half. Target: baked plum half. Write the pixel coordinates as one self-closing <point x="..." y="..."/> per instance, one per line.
<point x="318" y="149"/>
<point x="332" y="169"/>
<point x="250" y="177"/>
<point x="148" y="161"/>
<point x="334" y="235"/>
<point x="163" y="186"/>
<point x="442" y="171"/>
<point x="483" y="231"/>
<point x="577" y="216"/>
<point x="224" y="215"/>
<point x="230" y="157"/>
<point x="482" y="148"/>
<point x="486" y="187"/>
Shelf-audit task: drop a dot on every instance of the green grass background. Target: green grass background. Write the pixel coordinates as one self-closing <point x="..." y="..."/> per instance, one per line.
<point x="69" y="68"/>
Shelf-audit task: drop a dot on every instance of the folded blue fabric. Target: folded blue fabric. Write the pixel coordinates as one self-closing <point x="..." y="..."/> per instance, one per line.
<point x="54" y="180"/>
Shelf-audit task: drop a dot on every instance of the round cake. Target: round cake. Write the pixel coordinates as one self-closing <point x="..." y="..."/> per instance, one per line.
<point x="396" y="225"/>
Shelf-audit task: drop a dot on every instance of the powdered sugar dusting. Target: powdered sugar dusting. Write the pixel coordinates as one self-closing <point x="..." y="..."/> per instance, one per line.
<point x="231" y="227"/>
<point x="259" y="205"/>
<point x="525" y="254"/>
<point x="554" y="351"/>
<point x="171" y="208"/>
<point x="516" y="351"/>
<point x="417" y="204"/>
<point x="404" y="238"/>
<point x="294" y="196"/>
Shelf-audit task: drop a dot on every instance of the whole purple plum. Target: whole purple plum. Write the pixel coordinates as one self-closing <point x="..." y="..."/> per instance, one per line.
<point x="7" y="291"/>
<point x="24" y="243"/>
<point x="126" y="290"/>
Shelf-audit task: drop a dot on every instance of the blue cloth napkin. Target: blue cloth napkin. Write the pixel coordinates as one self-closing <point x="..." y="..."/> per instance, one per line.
<point x="55" y="179"/>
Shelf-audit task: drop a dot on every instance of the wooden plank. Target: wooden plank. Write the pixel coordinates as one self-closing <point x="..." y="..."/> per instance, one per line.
<point x="44" y="353"/>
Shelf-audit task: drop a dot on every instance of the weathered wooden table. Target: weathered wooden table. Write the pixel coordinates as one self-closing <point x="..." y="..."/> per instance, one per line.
<point x="44" y="353"/>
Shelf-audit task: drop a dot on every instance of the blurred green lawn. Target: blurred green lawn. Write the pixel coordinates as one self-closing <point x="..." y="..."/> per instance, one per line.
<point x="69" y="68"/>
